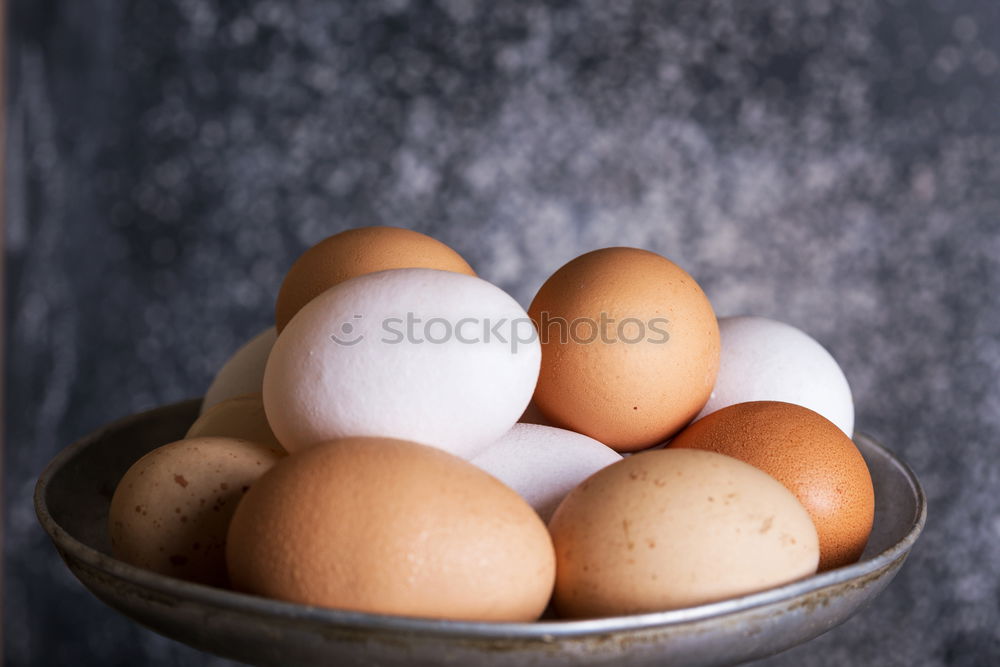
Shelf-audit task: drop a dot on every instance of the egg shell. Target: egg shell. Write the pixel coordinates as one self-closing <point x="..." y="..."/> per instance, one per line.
<point x="356" y="252"/>
<point x="670" y="528"/>
<point x="243" y="373"/>
<point x="543" y="463"/>
<point x="242" y="418"/>
<point x="532" y="415"/>
<point x="807" y="453"/>
<point x="391" y="527"/>
<point x="630" y="347"/>
<point x="348" y="364"/>
<point x="767" y="360"/>
<point x="171" y="510"/>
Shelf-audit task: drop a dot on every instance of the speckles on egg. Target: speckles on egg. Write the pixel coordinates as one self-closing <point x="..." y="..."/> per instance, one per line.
<point x="807" y="453"/>
<point x="647" y="534"/>
<point x="178" y="527"/>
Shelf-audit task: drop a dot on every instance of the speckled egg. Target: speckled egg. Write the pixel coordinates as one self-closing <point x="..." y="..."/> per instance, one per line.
<point x="630" y="347"/>
<point x="674" y="528"/>
<point x="807" y="453"/>
<point x="171" y="510"/>
<point x="356" y="252"/>
<point x="391" y="527"/>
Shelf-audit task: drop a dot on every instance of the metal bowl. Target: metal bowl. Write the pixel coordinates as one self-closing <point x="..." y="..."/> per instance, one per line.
<point x="73" y="494"/>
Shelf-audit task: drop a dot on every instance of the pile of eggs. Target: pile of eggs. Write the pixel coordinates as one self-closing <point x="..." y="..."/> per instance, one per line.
<point x="409" y="440"/>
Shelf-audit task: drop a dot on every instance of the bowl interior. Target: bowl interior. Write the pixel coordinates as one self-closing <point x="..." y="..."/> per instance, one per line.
<point x="74" y="493"/>
<point x="84" y="477"/>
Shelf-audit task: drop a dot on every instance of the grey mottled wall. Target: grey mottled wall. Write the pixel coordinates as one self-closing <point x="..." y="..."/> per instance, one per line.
<point x="832" y="164"/>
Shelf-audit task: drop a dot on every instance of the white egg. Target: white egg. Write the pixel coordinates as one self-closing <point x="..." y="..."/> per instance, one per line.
<point x="544" y="463"/>
<point x="243" y="373"/>
<point x="440" y="358"/>
<point x="766" y="360"/>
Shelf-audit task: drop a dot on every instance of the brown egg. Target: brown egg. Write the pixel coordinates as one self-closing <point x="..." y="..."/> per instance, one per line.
<point x="393" y="527"/>
<point x="630" y="347"/>
<point x="532" y="415"/>
<point x="356" y="252"/>
<point x="807" y="453"/>
<point x="241" y="417"/>
<point x="171" y="510"/>
<point x="668" y="528"/>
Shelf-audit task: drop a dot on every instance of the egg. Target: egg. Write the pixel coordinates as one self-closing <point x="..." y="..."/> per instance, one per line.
<point x="356" y="252"/>
<point x="630" y="347"/>
<point x="391" y="527"/>
<point x="670" y="528"/>
<point x="807" y="453"/>
<point x="766" y="360"/>
<point x="243" y="373"/>
<point x="441" y="358"/>
<point x="543" y="463"/>
<point x="170" y="512"/>
<point x="532" y="415"/>
<point x="242" y="418"/>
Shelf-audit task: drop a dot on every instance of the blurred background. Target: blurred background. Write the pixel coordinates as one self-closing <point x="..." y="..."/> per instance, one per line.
<point x="835" y="165"/>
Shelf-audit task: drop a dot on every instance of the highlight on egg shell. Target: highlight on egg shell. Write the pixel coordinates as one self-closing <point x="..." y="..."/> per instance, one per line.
<point x="391" y="527"/>
<point x="355" y="252"/>
<point x="807" y="453"/>
<point x="767" y="360"/>
<point x="243" y="373"/>
<point x="675" y="528"/>
<point x="170" y="512"/>
<point x="630" y="347"/>
<point x="544" y="463"/>
<point x="436" y="357"/>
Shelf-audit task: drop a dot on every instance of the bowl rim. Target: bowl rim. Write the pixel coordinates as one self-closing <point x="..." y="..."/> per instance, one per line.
<point x="542" y="630"/>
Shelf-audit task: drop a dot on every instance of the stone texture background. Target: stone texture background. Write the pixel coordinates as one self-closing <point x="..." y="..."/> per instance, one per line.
<point x="830" y="164"/>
